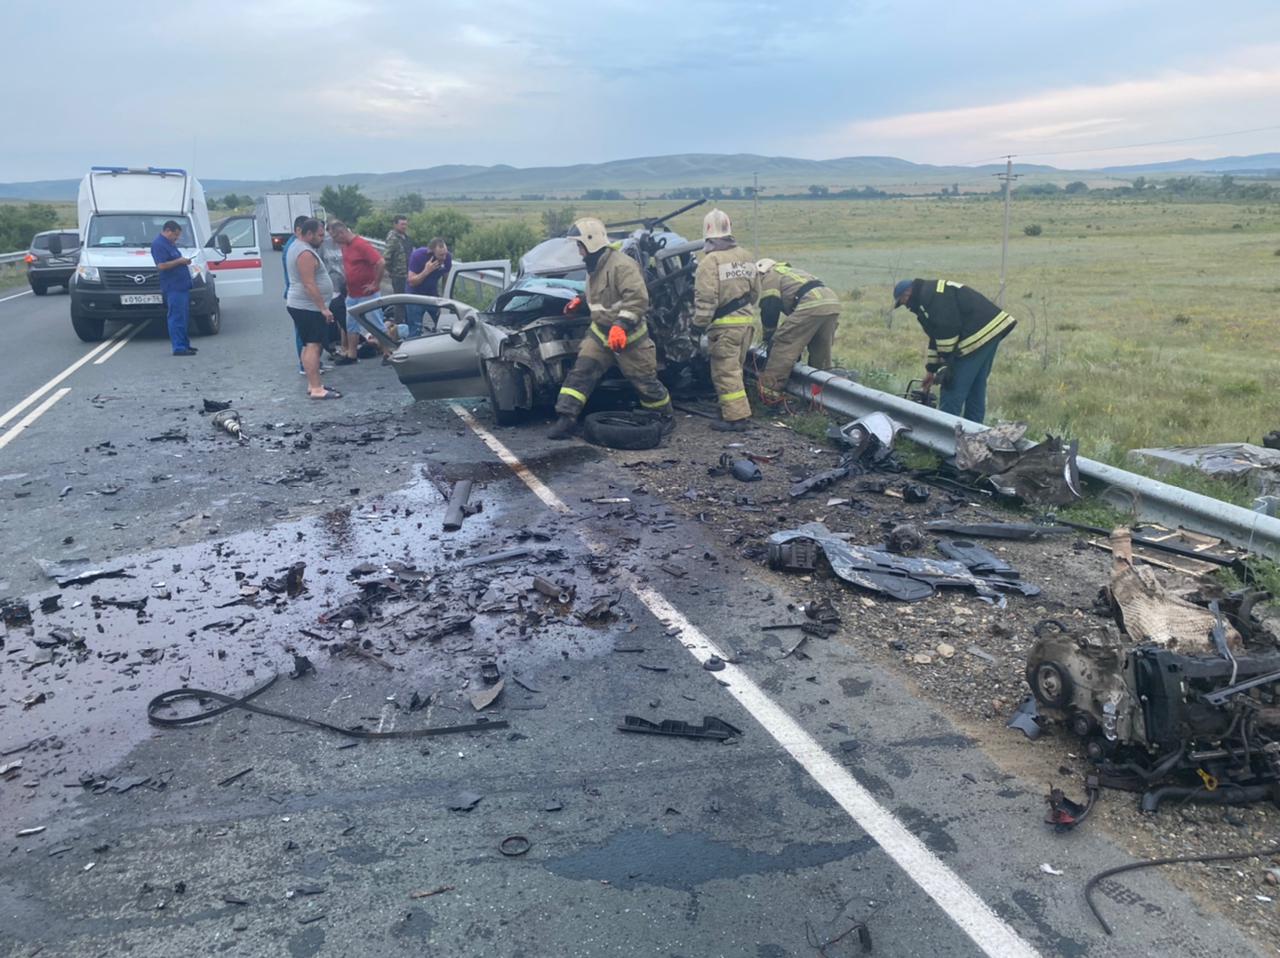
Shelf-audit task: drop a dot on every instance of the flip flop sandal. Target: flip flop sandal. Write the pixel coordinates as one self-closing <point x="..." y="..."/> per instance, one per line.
<point x="328" y="394"/>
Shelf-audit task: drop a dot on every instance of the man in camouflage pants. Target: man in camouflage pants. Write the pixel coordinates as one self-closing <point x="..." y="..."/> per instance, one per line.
<point x="726" y="287"/>
<point x="399" y="246"/>
<point x="618" y="300"/>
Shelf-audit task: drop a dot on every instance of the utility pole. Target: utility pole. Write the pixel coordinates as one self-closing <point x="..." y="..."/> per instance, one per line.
<point x="755" y="213"/>
<point x="640" y="205"/>
<point x="1008" y="178"/>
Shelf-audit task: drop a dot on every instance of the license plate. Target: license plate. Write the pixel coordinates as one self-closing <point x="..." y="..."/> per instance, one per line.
<point x="141" y="299"/>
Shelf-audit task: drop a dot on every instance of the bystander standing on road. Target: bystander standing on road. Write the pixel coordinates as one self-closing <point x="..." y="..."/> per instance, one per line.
<point x="310" y="291"/>
<point x="363" y="268"/>
<point x="175" y="284"/>
<point x="399" y="247"/>
<point x="331" y="256"/>
<point x="284" y="265"/>
<point x="428" y="265"/>
<point x="964" y="329"/>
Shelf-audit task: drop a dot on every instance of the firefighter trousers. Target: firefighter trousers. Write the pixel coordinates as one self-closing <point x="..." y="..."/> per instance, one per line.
<point x="728" y="349"/>
<point x="638" y="362"/>
<point x="801" y="330"/>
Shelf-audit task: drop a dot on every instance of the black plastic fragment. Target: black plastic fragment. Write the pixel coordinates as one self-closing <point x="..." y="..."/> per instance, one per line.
<point x="711" y="727"/>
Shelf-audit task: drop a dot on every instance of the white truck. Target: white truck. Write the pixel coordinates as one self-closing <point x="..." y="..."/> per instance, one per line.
<point x="121" y="212"/>
<point x="282" y="210"/>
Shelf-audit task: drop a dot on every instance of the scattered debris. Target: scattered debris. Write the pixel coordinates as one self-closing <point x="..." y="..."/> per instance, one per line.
<point x="514" y="846"/>
<point x="1064" y="814"/>
<point x="1026" y="718"/>
<point x="434" y="891"/>
<point x="482" y="699"/>
<point x="23" y="833"/>
<point x="457" y="510"/>
<point x="464" y="801"/>
<point x="906" y="578"/>
<point x="67" y="572"/>
<point x="744" y="470"/>
<point x="1050" y="870"/>
<point x="228" y="420"/>
<point x="1045" y="473"/>
<point x="1021" y="531"/>
<point x="711" y="727"/>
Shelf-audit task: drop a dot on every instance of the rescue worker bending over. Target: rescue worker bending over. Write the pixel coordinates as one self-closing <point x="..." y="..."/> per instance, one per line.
<point x="726" y="287"/>
<point x="618" y="300"/>
<point x="797" y="312"/>
<point x="964" y="330"/>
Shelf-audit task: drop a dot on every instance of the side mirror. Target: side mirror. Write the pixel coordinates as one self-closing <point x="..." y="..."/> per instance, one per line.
<point x="55" y="244"/>
<point x="224" y="244"/>
<point x="461" y="327"/>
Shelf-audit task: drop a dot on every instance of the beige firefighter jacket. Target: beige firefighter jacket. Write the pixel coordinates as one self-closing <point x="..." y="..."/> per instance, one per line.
<point x="617" y="295"/>
<point x="722" y="277"/>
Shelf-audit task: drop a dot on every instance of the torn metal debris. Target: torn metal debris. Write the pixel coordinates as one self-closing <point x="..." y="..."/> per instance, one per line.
<point x="711" y="727"/>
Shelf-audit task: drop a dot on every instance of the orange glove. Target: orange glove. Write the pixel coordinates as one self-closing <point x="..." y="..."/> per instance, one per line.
<point x="573" y="306"/>
<point x="617" y="338"/>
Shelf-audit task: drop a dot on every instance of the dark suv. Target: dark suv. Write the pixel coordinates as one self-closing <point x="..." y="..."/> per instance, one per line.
<point x="52" y="263"/>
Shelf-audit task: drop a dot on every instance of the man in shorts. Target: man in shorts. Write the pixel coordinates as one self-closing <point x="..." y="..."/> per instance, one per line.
<point x="310" y="291"/>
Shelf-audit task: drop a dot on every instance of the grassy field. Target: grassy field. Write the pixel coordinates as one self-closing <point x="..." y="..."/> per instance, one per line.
<point x="1139" y="323"/>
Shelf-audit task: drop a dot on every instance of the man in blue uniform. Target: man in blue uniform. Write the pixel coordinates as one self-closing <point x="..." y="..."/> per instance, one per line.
<point x="175" y="283"/>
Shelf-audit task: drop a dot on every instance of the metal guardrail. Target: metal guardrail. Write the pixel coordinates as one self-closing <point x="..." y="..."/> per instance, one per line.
<point x="1151" y="499"/>
<point x="13" y="257"/>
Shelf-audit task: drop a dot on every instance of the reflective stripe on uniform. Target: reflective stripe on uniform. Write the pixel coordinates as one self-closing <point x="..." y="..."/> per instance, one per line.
<point x="769" y="292"/>
<point x="734" y="319"/>
<point x="641" y="332"/>
<point x="942" y="285"/>
<point x="573" y="394"/>
<point x="998" y="324"/>
<point x="626" y="314"/>
<point x="727" y="398"/>
<point x="947" y="345"/>
<point x="664" y="401"/>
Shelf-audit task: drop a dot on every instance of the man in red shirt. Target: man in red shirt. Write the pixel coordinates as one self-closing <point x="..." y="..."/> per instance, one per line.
<point x="363" y="267"/>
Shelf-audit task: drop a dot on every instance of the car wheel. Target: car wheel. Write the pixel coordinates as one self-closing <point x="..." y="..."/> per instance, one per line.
<point x="506" y="393"/>
<point x="623" y="430"/>
<point x="210" y="323"/>
<point x="39" y="289"/>
<point x="88" y="328"/>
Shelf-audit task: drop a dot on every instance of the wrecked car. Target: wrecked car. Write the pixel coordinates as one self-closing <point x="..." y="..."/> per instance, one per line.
<point x="1173" y="712"/>
<point x="514" y="341"/>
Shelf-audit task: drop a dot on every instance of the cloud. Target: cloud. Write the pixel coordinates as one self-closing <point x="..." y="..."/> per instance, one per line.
<point x="1168" y="105"/>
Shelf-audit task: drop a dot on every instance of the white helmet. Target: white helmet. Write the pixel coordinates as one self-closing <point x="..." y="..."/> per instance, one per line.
<point x="716" y="224"/>
<point x="764" y="265"/>
<point x="590" y="232"/>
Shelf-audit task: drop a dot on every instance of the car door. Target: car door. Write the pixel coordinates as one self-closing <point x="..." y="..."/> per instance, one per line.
<point x="239" y="273"/>
<point x="479" y="283"/>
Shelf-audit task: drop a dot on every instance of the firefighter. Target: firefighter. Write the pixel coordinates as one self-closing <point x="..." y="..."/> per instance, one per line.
<point x="797" y="312"/>
<point x="964" y="329"/>
<point x="726" y="287"/>
<point x="618" y="300"/>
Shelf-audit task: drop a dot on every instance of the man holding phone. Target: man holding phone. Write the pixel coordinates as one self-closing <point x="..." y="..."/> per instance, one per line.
<point x="428" y="265"/>
<point x="175" y="283"/>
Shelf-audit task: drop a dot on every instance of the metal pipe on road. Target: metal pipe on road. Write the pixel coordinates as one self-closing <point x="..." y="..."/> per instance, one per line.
<point x="1153" y="500"/>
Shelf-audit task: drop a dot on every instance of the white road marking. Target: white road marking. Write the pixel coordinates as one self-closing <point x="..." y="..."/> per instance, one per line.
<point x="119" y="345"/>
<point x="32" y="416"/>
<point x="965" y="907"/>
<point x="61" y="376"/>
<point x="15" y="296"/>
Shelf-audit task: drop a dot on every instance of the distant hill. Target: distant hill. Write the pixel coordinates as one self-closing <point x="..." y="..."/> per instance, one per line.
<point x="776" y="174"/>
<point x="1253" y="164"/>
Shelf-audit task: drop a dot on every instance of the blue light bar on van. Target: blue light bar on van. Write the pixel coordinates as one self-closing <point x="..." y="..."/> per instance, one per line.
<point x="158" y="170"/>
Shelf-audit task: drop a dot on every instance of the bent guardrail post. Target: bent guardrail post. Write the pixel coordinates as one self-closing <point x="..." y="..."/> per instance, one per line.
<point x="1153" y="500"/>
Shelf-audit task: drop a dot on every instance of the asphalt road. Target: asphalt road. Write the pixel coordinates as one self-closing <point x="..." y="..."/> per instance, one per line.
<point x="844" y="799"/>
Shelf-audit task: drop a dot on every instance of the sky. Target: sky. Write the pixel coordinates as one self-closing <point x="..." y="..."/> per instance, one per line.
<point x="265" y="89"/>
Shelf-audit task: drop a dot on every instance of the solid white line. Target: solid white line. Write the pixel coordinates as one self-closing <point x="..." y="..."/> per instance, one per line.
<point x="32" y="416"/>
<point x="536" y="485"/>
<point x="964" y="906"/>
<point x="119" y="345"/>
<point x="58" y="378"/>
<point x="15" y="296"/>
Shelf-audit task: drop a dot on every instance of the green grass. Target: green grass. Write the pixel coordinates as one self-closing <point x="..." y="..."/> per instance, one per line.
<point x="1140" y="323"/>
<point x="13" y="275"/>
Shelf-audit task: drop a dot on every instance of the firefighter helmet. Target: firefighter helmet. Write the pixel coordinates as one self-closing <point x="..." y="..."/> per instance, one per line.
<point x="764" y="265"/>
<point x="716" y="224"/>
<point x="590" y="232"/>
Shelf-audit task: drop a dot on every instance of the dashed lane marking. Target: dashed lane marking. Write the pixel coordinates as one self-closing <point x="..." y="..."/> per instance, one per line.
<point x="32" y="416"/>
<point x="15" y="296"/>
<point x="35" y="396"/>
<point x="961" y="903"/>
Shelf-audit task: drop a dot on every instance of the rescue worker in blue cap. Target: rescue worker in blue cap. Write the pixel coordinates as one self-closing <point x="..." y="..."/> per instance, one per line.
<point x="964" y="329"/>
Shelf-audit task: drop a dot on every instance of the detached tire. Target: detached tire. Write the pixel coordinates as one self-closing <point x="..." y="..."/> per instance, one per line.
<point x="623" y="430"/>
<point x="211" y="323"/>
<point x="88" y="328"/>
